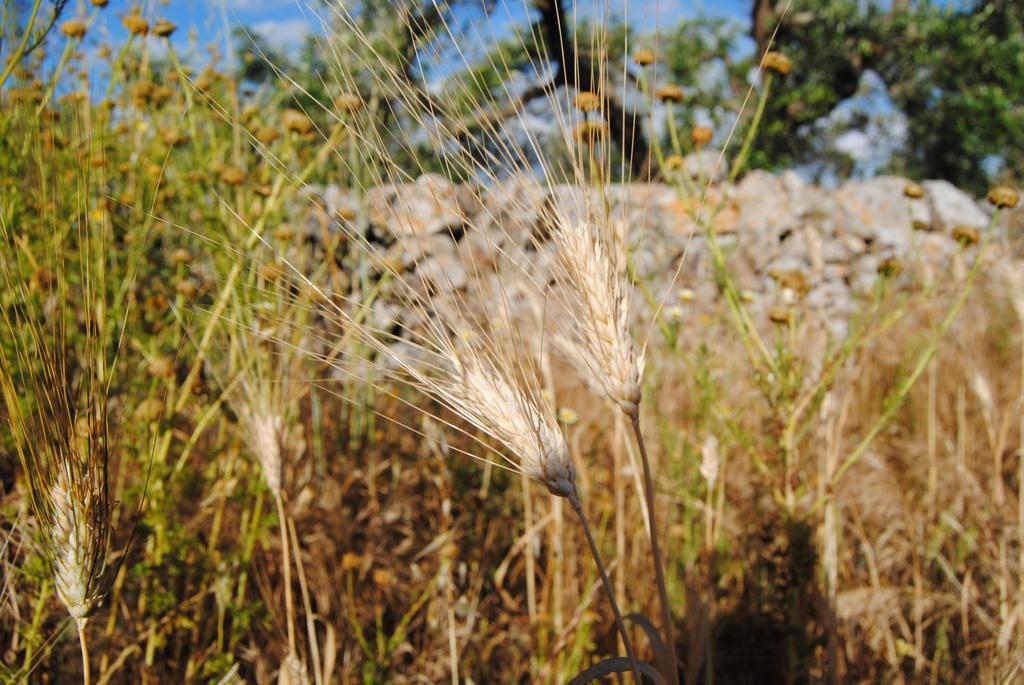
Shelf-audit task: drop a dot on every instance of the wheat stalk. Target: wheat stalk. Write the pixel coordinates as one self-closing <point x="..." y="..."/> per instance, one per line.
<point x="598" y="343"/>
<point x="56" y="400"/>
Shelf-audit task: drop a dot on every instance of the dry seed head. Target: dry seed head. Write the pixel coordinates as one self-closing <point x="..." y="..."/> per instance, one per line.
<point x="598" y="342"/>
<point x="161" y="94"/>
<point x="100" y="3"/>
<point x="591" y="132"/>
<point x="263" y="434"/>
<point x="643" y="57"/>
<point x="141" y="92"/>
<point x="164" y="28"/>
<point x="669" y="93"/>
<point x="173" y="137"/>
<point x="701" y="135"/>
<point x="674" y="162"/>
<point x="136" y="25"/>
<point x="74" y="28"/>
<point x="966" y="235"/>
<point x="1004" y="197"/>
<point x="914" y="191"/>
<point x="587" y="101"/>
<point x="890" y="268"/>
<point x="294" y="120"/>
<point x="349" y="103"/>
<point x="75" y="538"/>
<point x="777" y="62"/>
<point x="161" y="367"/>
<point x="1013" y="276"/>
<point x="709" y="461"/>
<point x="781" y="315"/>
<point x="491" y="388"/>
<point x="149" y="409"/>
<point x="516" y="417"/>
<point x="293" y="672"/>
<point x="232" y="175"/>
<point x="792" y="279"/>
<point x="186" y="287"/>
<point x="267" y="134"/>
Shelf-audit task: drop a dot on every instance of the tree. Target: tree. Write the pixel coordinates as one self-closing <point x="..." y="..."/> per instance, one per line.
<point x="957" y="74"/>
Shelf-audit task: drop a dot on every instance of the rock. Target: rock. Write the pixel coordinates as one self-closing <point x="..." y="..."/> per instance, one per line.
<point x="766" y="209"/>
<point x="831" y="297"/>
<point x="414" y="249"/>
<point x="877" y="211"/>
<point x="430" y="205"/>
<point x="646" y="210"/>
<point x="866" y="273"/>
<point x="706" y="165"/>
<point x="481" y="249"/>
<point x="512" y="210"/>
<point x="840" y="250"/>
<point x="952" y="207"/>
<point x="570" y="203"/>
<point x="445" y="271"/>
<point x="479" y="241"/>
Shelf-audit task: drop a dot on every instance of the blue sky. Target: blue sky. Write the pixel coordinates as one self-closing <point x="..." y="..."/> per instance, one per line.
<point x="286" y="23"/>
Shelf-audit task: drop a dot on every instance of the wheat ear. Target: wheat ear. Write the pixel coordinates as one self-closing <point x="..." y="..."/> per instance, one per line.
<point x="598" y="343"/>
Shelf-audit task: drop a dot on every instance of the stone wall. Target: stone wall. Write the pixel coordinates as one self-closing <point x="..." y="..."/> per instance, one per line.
<point x="787" y="241"/>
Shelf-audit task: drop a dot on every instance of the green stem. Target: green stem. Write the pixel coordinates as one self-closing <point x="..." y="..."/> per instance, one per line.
<point x="86" y="676"/>
<point x="282" y="525"/>
<point x="896" y="399"/>
<point x="659" y="569"/>
<point x="741" y="158"/>
<point x="574" y="500"/>
<point x="19" y="52"/>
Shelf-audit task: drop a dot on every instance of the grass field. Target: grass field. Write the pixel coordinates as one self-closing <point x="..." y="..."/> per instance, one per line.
<point x="248" y="437"/>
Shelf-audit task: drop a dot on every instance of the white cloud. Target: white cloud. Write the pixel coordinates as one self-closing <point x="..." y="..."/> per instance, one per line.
<point x="286" y="35"/>
<point x="250" y="5"/>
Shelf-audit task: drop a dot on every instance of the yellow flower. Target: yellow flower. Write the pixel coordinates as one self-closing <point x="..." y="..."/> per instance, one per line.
<point x="294" y="120"/>
<point x="164" y="28"/>
<point x="348" y="103"/>
<point x="136" y="25"/>
<point x="74" y="28"/>
<point x="701" y="135"/>
<point x="669" y="93"/>
<point x="966" y="235"/>
<point x="914" y="191"/>
<point x="777" y="62"/>
<point x="1004" y="197"/>
<point x="587" y="101"/>
<point x="591" y="132"/>
<point x="643" y="57"/>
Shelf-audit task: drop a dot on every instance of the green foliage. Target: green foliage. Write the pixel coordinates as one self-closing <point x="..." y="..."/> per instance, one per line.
<point x="962" y="92"/>
<point x="956" y="74"/>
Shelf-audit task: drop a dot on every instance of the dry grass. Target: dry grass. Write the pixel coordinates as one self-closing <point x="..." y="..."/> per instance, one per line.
<point x="826" y="511"/>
